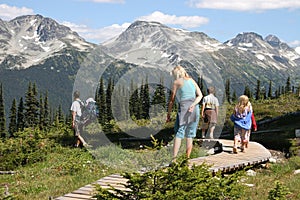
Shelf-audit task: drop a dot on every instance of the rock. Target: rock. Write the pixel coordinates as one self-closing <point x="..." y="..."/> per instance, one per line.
<point x="251" y="172"/>
<point x="297" y="171"/>
<point x="211" y="151"/>
<point x="249" y="185"/>
<point x="272" y="160"/>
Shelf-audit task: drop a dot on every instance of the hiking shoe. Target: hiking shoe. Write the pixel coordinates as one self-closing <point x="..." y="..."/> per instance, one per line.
<point x="235" y="150"/>
<point x="242" y="149"/>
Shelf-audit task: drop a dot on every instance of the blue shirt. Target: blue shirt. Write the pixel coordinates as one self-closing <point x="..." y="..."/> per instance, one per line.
<point x="187" y="91"/>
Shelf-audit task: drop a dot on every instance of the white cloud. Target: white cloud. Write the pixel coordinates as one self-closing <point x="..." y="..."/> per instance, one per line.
<point x="244" y="5"/>
<point x="97" y="35"/>
<point x="295" y="43"/>
<point x="9" y="12"/>
<point x="184" y="21"/>
<point x="107" y="1"/>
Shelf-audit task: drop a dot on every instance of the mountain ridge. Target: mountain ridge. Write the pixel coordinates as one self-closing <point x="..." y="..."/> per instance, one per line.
<point x="54" y="52"/>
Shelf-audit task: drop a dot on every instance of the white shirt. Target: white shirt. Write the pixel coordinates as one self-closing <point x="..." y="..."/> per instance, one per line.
<point x="210" y="101"/>
<point x="75" y="107"/>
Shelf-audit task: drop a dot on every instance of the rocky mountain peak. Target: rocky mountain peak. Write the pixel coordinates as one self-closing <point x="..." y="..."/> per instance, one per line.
<point x="30" y="39"/>
<point x="245" y="39"/>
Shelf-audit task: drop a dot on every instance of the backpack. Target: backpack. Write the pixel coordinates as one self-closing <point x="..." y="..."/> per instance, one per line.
<point x="89" y="111"/>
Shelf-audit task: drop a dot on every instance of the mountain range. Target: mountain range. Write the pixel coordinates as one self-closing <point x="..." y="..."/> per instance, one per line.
<point x="38" y="49"/>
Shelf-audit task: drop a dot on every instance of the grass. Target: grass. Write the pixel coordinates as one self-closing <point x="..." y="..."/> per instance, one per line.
<point x="67" y="169"/>
<point x="265" y="180"/>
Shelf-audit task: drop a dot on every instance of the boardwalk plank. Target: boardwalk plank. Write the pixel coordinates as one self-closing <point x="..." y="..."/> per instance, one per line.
<point x="225" y="161"/>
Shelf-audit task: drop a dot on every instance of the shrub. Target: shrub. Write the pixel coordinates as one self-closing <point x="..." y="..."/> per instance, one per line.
<point x="177" y="182"/>
<point x="279" y="192"/>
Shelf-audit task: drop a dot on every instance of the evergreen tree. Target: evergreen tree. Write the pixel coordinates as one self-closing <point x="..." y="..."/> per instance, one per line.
<point x="159" y="97"/>
<point x="263" y="93"/>
<point x="234" y="96"/>
<point x="101" y="103"/>
<point x="145" y="100"/>
<point x="42" y="113"/>
<point x="288" y="85"/>
<point x="109" y="91"/>
<point x="46" y="111"/>
<point x="258" y="94"/>
<point x="12" y="127"/>
<point x="283" y="90"/>
<point x="227" y="90"/>
<point x="247" y="91"/>
<point x="31" y="106"/>
<point x="134" y="102"/>
<point x="131" y="102"/>
<point x="60" y="115"/>
<point x="270" y="90"/>
<point x="2" y="114"/>
<point x="20" y="115"/>
<point x="202" y="87"/>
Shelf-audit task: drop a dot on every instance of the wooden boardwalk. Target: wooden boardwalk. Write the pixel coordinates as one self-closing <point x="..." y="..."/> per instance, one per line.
<point x="224" y="161"/>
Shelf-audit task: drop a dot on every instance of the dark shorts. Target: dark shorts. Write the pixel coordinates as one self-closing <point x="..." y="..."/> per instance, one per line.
<point x="210" y="118"/>
<point x="77" y="128"/>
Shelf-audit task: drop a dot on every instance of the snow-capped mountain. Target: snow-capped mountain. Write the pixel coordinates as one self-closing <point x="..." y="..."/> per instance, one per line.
<point x="271" y="51"/>
<point x="38" y="49"/>
<point x="243" y="59"/>
<point x="30" y="40"/>
<point x="152" y="44"/>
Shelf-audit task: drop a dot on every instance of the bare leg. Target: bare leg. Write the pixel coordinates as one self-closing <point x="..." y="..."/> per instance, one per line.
<point x="177" y="143"/>
<point x="203" y="133"/>
<point x="189" y="146"/>
<point x="243" y="135"/>
<point x="211" y="133"/>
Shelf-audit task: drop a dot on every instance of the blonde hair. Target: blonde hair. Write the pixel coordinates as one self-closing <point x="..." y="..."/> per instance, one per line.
<point x="243" y="102"/>
<point x="179" y="72"/>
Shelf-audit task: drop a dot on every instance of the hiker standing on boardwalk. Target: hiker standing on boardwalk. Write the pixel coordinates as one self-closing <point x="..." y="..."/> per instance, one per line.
<point x="209" y="113"/>
<point x="76" y="114"/>
<point x="188" y="94"/>
<point x="241" y="117"/>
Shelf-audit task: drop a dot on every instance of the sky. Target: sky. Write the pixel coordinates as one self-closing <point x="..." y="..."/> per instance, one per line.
<point x="99" y="20"/>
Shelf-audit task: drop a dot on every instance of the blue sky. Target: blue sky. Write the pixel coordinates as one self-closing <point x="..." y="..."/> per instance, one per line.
<point x="99" y="20"/>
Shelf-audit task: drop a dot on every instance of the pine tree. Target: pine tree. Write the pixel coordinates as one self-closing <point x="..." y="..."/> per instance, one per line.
<point x="12" y="127"/>
<point x="109" y="91"/>
<point x="234" y="96"/>
<point x="283" y="90"/>
<point x="101" y="103"/>
<point x="270" y="90"/>
<point x="3" y="133"/>
<point x="20" y="115"/>
<point x="159" y="97"/>
<point x="41" y="114"/>
<point x="202" y="87"/>
<point x="60" y="115"/>
<point x="134" y="102"/>
<point x="247" y="91"/>
<point x="227" y="90"/>
<point x="288" y="85"/>
<point x="31" y="106"/>
<point x="46" y="111"/>
<point x="258" y="92"/>
<point x="145" y="100"/>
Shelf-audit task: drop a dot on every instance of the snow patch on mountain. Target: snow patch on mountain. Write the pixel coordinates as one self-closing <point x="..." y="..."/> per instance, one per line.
<point x="297" y="49"/>
<point x="33" y="38"/>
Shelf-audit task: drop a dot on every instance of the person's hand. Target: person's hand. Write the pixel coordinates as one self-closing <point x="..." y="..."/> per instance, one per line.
<point x="168" y="118"/>
<point x="255" y="129"/>
<point x="191" y="109"/>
